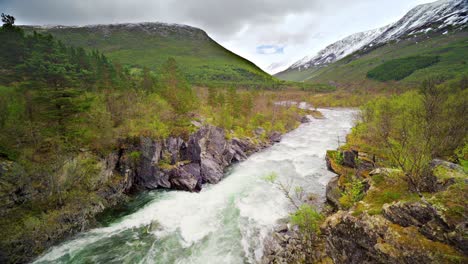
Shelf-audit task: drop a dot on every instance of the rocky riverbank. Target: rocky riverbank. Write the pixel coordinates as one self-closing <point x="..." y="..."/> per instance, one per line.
<point x="136" y="164"/>
<point x="374" y="217"/>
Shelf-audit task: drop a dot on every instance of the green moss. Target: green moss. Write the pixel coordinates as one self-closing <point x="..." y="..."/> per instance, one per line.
<point x="452" y="203"/>
<point x="443" y="173"/>
<point x="411" y="239"/>
<point x="386" y="189"/>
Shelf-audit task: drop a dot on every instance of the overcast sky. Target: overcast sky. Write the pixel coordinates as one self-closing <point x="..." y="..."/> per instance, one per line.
<point x="267" y="32"/>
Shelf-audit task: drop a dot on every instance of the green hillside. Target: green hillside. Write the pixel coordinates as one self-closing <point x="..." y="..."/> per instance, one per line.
<point x="352" y="71"/>
<point x="150" y="44"/>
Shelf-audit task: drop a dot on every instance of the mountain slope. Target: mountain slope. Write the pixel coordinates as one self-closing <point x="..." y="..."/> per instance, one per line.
<point x="151" y="44"/>
<point x="429" y="20"/>
<point x="351" y="71"/>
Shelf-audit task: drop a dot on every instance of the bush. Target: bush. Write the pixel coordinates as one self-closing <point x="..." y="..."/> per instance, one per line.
<point x="308" y="219"/>
<point x="354" y="192"/>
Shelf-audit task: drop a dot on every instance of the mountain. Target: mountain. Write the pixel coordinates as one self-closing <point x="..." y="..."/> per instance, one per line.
<point x="151" y="44"/>
<point x="430" y="20"/>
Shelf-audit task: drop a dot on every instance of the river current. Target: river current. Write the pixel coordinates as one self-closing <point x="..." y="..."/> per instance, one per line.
<point x="224" y="223"/>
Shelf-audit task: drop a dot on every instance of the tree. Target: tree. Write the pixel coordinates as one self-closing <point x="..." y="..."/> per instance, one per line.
<point x="147" y="81"/>
<point x="175" y="88"/>
<point x="8" y="21"/>
<point x="12" y="43"/>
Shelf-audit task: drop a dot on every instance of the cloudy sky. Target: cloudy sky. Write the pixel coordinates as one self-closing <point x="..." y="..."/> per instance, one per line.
<point x="271" y="33"/>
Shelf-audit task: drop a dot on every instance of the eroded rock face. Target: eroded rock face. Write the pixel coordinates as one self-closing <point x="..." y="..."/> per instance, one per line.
<point x="186" y="178"/>
<point x="176" y="164"/>
<point x="429" y="222"/>
<point x="374" y="239"/>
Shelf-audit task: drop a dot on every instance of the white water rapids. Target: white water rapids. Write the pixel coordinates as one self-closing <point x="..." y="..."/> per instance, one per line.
<point x="224" y="223"/>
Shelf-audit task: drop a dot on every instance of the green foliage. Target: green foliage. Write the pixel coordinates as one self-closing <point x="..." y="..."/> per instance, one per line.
<point x="415" y="127"/>
<point x="308" y="219"/>
<point x="63" y="110"/>
<point x="201" y="60"/>
<point x="339" y="157"/>
<point x="175" y="89"/>
<point x="354" y="192"/>
<point x="135" y="156"/>
<point x="462" y="155"/>
<point x="271" y="178"/>
<point x="351" y="71"/>
<point x="398" y="69"/>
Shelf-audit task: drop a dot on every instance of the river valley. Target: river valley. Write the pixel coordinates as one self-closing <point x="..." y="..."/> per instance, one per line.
<point x="224" y="223"/>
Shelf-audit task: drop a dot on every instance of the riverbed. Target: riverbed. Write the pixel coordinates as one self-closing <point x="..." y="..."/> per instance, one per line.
<point x="224" y="223"/>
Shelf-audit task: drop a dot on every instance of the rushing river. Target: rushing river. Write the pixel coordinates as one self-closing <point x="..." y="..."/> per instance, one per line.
<point x="224" y="223"/>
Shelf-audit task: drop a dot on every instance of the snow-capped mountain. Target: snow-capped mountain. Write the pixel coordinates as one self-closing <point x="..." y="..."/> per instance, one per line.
<point x="423" y="19"/>
<point x="340" y="49"/>
<point x="150" y="28"/>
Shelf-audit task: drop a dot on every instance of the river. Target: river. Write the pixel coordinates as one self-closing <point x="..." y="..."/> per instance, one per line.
<point x="224" y="223"/>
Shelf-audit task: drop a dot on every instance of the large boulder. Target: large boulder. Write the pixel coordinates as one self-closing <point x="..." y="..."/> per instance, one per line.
<point x="186" y="177"/>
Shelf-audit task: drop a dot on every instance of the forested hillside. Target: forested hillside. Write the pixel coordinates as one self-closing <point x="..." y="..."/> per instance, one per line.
<point x="149" y="45"/>
<point x="67" y="112"/>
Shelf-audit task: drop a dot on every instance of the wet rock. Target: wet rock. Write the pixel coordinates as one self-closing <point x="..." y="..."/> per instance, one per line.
<point x="281" y="228"/>
<point x="306" y="119"/>
<point x="186" y="178"/>
<point x="275" y="137"/>
<point x="333" y="192"/>
<point x="236" y="151"/>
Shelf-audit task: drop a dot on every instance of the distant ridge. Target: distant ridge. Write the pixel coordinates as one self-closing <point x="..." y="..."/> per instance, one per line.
<point x="432" y="18"/>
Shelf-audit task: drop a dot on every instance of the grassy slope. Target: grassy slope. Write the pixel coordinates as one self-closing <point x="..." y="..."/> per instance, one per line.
<point x="351" y="71"/>
<point x="201" y="58"/>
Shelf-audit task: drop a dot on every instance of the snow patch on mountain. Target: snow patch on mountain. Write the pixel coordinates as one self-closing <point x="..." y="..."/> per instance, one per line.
<point x="425" y="19"/>
<point x="150" y="28"/>
<point x="340" y="49"/>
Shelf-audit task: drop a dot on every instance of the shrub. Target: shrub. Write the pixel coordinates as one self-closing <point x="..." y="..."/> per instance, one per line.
<point x="354" y="192"/>
<point x="308" y="219"/>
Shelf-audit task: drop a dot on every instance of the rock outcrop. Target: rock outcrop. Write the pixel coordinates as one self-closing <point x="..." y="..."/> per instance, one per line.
<point x="183" y="165"/>
<point x="429" y="221"/>
<point x="374" y="239"/>
<point x="405" y="228"/>
<point x="387" y="224"/>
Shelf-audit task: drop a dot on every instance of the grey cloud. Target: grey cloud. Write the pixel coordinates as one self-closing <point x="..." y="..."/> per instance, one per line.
<point x="219" y="17"/>
<point x="227" y="17"/>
